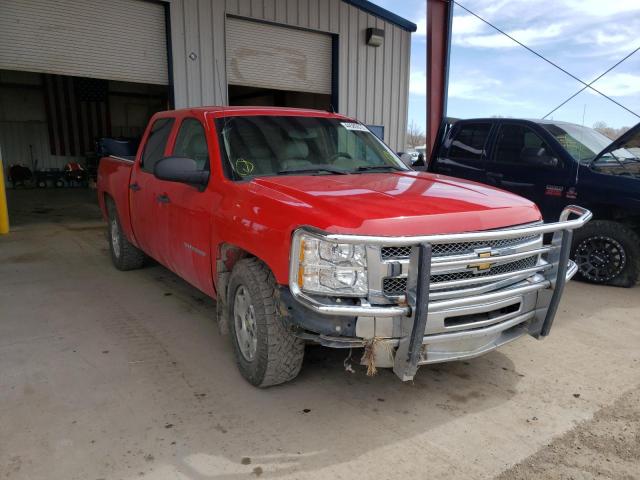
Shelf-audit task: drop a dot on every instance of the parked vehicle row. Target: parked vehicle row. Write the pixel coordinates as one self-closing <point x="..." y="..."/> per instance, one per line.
<point x="305" y="227"/>
<point x="556" y="164"/>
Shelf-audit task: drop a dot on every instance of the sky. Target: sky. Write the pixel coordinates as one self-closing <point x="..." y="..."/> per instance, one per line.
<point x="491" y="75"/>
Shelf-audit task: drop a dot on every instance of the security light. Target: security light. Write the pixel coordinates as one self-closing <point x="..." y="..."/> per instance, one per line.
<point x="375" y="37"/>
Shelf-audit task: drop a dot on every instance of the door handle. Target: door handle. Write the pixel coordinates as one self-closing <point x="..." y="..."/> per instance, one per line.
<point x="134" y="186"/>
<point x="163" y="198"/>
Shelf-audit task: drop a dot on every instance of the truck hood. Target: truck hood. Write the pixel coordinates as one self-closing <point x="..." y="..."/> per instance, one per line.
<point x="629" y="139"/>
<point x="399" y="203"/>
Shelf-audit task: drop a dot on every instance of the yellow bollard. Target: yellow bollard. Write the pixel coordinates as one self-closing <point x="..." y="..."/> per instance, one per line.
<point x="4" y="214"/>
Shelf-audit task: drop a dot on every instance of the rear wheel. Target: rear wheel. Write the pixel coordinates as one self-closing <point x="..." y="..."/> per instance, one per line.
<point x="607" y="252"/>
<point x="124" y="255"/>
<point x="266" y="353"/>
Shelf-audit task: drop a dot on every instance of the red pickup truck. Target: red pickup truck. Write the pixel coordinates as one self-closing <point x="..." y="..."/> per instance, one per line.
<point x="306" y="228"/>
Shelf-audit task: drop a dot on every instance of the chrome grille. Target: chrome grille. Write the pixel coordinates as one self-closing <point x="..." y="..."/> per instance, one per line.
<point x="395" y="252"/>
<point x="396" y="286"/>
<point x="446" y="249"/>
<point x="498" y="269"/>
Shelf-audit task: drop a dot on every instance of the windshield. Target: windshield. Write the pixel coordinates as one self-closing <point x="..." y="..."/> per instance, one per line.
<point x="255" y="146"/>
<point x="582" y="143"/>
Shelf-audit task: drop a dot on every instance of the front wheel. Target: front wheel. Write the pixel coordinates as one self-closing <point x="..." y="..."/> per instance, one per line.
<point x="266" y="353"/>
<point x="607" y="252"/>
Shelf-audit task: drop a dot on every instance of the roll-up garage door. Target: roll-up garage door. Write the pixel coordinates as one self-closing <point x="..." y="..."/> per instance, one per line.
<point x="114" y="40"/>
<point x="282" y="58"/>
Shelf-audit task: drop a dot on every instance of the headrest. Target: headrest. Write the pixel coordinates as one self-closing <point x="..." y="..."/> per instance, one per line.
<point x="296" y="149"/>
<point x="258" y="151"/>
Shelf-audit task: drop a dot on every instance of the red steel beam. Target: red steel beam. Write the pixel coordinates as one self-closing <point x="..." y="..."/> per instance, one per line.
<point x="439" y="20"/>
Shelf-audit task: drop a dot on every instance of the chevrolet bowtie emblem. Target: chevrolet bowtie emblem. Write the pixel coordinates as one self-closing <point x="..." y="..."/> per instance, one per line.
<point x="481" y="267"/>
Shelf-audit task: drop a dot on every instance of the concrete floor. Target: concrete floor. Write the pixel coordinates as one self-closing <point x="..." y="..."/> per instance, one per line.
<point x="109" y="375"/>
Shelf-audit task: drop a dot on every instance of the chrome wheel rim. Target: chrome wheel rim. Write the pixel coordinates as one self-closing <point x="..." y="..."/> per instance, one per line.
<point x="600" y="258"/>
<point x="244" y="318"/>
<point x="115" y="238"/>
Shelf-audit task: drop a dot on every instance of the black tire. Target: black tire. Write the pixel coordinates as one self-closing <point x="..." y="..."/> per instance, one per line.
<point x="278" y="354"/>
<point x="124" y="255"/>
<point x="607" y="252"/>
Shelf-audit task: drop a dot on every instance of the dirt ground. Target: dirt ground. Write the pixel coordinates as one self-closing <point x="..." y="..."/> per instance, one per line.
<point x="123" y="375"/>
<point x="607" y="446"/>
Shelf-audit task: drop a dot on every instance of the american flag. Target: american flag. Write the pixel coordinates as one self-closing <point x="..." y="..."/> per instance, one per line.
<point x="77" y="112"/>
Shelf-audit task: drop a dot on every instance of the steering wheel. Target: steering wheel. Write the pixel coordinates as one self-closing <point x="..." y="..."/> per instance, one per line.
<point x="337" y="155"/>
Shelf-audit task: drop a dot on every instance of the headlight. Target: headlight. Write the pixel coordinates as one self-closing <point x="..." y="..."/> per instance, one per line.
<point x="326" y="267"/>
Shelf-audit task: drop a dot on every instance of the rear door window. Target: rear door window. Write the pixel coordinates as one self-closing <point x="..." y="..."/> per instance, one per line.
<point x="156" y="143"/>
<point x="469" y="141"/>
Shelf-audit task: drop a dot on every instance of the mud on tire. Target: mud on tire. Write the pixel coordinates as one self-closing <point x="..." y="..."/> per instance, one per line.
<point x="275" y="355"/>
<point x="124" y="255"/>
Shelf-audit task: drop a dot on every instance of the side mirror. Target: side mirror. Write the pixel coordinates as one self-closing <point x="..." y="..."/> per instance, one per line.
<point x="181" y="170"/>
<point x="406" y="159"/>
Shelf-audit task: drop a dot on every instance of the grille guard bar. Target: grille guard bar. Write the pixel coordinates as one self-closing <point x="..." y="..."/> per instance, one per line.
<point x="564" y="225"/>
<point x="414" y="314"/>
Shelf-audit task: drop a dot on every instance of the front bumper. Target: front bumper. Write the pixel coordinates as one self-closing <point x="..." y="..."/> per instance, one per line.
<point x="478" y="322"/>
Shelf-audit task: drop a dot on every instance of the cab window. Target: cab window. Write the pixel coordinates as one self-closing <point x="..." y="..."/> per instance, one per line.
<point x="156" y="143"/>
<point x="469" y="141"/>
<point x="519" y="144"/>
<point x="191" y="142"/>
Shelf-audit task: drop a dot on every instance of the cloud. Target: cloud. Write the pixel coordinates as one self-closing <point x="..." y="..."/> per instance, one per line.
<point x="418" y="83"/>
<point x="473" y="87"/>
<point x="618" y="84"/>
<point x="466" y="24"/>
<point x="529" y="36"/>
<point x="480" y="88"/>
<point x="422" y="27"/>
<point x="596" y="8"/>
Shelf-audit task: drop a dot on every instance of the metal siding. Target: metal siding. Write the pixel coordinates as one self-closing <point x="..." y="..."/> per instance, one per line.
<point x="352" y="54"/>
<point x="323" y="15"/>
<point x="269" y="10"/>
<point x="178" y="53"/>
<point x="404" y="90"/>
<point x="192" y="46"/>
<point x="84" y="38"/>
<point x="373" y="82"/>
<point x="361" y="70"/>
<point x="314" y="14"/>
<point x="207" y="70"/>
<point x="378" y="69"/>
<point x="395" y="84"/>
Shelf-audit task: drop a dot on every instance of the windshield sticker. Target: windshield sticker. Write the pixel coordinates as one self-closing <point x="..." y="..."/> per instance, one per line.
<point x="354" y="126"/>
<point x="244" y="167"/>
<point x="388" y="156"/>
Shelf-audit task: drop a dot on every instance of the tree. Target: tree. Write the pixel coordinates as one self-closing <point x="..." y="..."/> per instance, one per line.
<point x="610" y="132"/>
<point x="415" y="135"/>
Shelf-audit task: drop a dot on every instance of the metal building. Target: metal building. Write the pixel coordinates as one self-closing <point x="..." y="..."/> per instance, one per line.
<point x="75" y="70"/>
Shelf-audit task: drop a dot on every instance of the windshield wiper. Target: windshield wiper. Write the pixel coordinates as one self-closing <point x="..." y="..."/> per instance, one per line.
<point x="313" y="169"/>
<point x="370" y="168"/>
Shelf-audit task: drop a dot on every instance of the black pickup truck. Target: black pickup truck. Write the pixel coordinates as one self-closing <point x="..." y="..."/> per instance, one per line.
<point x="556" y="164"/>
